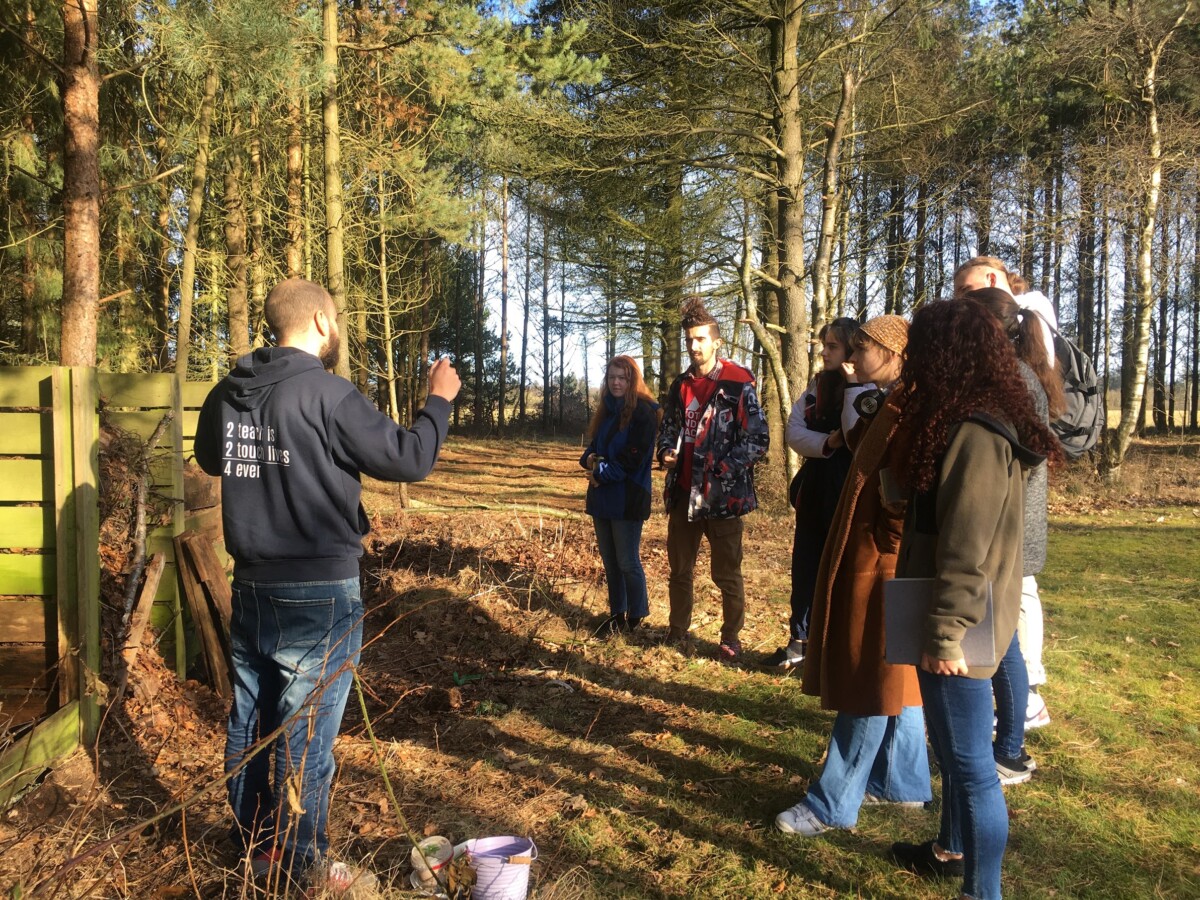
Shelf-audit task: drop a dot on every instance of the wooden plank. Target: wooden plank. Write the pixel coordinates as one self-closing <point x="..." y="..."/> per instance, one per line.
<point x="178" y="514"/>
<point x="22" y="385"/>
<point x="137" y="391"/>
<point x="66" y="609"/>
<point x="190" y="418"/>
<point x="24" y="480"/>
<point x="202" y="619"/>
<point x="84" y="401"/>
<point x="141" y="422"/>
<point x="24" y="762"/>
<point x="23" y="433"/>
<point x="24" y="667"/>
<point x="24" y="621"/>
<point x="208" y="522"/>
<point x="145" y="603"/>
<point x="212" y="573"/>
<point x="19" y="708"/>
<point x="28" y="575"/>
<point x="194" y="393"/>
<point x="27" y="527"/>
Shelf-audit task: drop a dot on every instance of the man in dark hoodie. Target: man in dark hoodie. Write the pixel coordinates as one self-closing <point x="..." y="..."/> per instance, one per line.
<point x="289" y="441"/>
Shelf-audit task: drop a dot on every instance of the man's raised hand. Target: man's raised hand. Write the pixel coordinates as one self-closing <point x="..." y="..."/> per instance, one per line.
<point x="443" y="380"/>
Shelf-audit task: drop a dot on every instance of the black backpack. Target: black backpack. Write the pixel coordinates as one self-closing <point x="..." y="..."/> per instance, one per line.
<point x="1079" y="426"/>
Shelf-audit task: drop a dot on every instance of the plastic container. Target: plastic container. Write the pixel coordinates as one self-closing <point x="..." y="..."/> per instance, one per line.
<point x="430" y="857"/>
<point x="501" y="867"/>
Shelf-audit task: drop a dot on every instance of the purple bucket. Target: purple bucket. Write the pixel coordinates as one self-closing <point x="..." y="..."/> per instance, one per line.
<point x="501" y="867"/>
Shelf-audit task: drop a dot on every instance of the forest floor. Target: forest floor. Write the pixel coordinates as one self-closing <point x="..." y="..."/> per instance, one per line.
<point x="489" y="707"/>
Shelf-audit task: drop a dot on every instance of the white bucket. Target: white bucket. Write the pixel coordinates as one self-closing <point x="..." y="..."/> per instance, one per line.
<point x="501" y="867"/>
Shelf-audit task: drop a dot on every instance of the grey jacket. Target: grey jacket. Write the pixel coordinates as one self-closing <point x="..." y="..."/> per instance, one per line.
<point x="1037" y="488"/>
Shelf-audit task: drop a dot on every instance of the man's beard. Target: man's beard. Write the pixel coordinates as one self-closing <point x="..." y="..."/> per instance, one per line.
<point x="329" y="353"/>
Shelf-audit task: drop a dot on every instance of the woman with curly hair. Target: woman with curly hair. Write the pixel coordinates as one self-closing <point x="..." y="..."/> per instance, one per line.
<point x="618" y="460"/>
<point x="972" y="436"/>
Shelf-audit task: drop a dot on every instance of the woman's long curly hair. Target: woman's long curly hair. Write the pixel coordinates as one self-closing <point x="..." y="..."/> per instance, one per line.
<point x="635" y="392"/>
<point x="959" y="362"/>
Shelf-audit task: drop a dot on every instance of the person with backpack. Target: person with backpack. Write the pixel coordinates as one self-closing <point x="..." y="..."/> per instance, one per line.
<point x="1011" y="681"/>
<point x="978" y="273"/>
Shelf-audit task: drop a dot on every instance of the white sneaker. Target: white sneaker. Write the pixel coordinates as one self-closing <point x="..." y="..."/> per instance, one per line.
<point x="870" y="799"/>
<point x="800" y="820"/>
<point x="1036" y="714"/>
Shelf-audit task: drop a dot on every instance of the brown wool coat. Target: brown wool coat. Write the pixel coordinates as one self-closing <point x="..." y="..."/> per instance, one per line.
<point x="844" y="665"/>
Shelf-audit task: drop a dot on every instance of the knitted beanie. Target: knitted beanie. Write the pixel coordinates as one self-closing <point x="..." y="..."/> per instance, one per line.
<point x="887" y="331"/>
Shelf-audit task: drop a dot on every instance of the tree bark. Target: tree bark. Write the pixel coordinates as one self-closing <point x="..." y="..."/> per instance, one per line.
<point x="1135" y="369"/>
<point x="831" y="192"/>
<point x="293" y="216"/>
<point x="81" y="183"/>
<point x="191" y="234"/>
<point x="789" y="137"/>
<point x="334" y="225"/>
<point x="503" y="301"/>
<point x="235" y="252"/>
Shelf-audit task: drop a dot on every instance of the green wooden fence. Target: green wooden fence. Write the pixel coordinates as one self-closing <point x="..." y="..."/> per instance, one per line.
<point x="49" y="539"/>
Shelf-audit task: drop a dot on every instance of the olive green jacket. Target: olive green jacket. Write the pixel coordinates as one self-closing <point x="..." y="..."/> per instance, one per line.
<point x="967" y="531"/>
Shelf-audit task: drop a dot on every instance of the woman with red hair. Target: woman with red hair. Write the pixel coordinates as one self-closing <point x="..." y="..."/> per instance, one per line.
<point x="973" y="435"/>
<point x="618" y="460"/>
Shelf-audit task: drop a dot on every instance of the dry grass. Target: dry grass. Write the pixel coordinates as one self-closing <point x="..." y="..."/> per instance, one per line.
<point x="638" y="772"/>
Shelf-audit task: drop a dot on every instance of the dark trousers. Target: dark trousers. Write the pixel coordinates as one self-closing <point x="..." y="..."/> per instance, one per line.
<point x="821" y="483"/>
<point x="725" y="549"/>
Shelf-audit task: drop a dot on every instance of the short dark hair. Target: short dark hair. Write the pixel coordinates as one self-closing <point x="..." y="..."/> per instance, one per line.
<point x="696" y="314"/>
<point x="292" y="303"/>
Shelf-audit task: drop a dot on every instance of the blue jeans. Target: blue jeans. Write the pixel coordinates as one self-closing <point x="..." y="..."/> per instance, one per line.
<point x="1011" y="687"/>
<point x="883" y="755"/>
<point x="974" y="817"/>
<point x="293" y="645"/>
<point x="620" y="543"/>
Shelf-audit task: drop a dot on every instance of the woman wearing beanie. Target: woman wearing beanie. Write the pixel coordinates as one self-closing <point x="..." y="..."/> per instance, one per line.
<point x="618" y="460"/>
<point x="877" y="749"/>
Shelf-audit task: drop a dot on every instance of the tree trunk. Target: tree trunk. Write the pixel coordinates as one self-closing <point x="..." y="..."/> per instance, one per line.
<point x="546" y="361"/>
<point x="334" y="226"/>
<point x="258" y="278"/>
<point x="1144" y="299"/>
<point x="526" y="297"/>
<point x="235" y="252"/>
<point x="1158" y="405"/>
<point x="81" y="183"/>
<point x="293" y="215"/>
<point x="385" y="302"/>
<point x="1194" y="411"/>
<point x="831" y="193"/>
<point x="503" y="301"/>
<point x="789" y="138"/>
<point x="482" y="426"/>
<point x="1085" y="253"/>
<point x="768" y="344"/>
<point x="191" y="234"/>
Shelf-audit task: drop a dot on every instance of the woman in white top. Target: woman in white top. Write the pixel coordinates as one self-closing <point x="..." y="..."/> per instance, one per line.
<point x="815" y="430"/>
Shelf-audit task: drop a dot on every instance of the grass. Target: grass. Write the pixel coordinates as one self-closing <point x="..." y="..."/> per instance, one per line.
<point x="644" y="774"/>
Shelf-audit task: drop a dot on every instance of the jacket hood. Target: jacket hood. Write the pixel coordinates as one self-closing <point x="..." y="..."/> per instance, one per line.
<point x="256" y="374"/>
<point x="1027" y="457"/>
